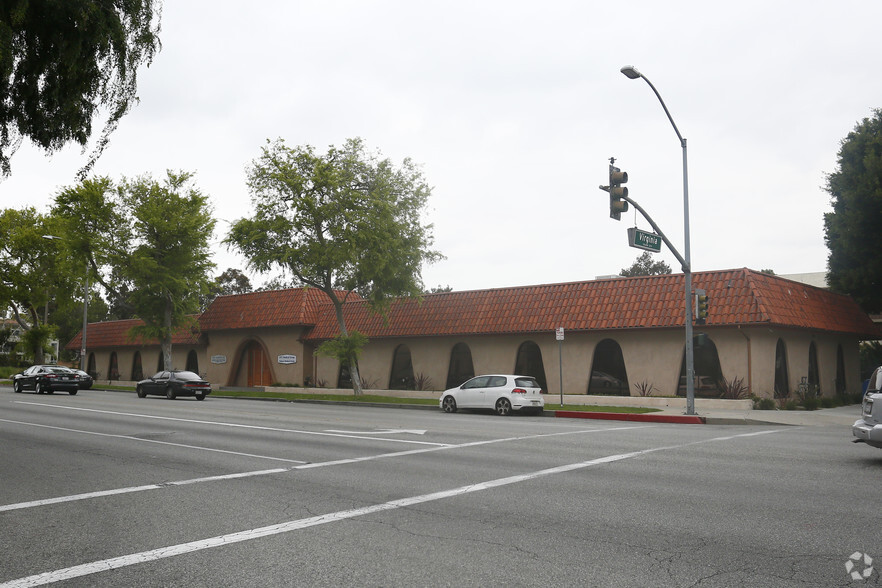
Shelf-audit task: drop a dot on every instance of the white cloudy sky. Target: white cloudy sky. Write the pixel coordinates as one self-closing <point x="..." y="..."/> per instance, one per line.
<point x="513" y="109"/>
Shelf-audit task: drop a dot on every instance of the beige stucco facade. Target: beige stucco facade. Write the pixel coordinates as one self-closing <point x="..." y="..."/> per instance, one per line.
<point x="653" y="356"/>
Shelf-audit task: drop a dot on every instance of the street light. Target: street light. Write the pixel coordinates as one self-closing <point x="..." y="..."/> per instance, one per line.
<point x="85" y="309"/>
<point x="631" y="72"/>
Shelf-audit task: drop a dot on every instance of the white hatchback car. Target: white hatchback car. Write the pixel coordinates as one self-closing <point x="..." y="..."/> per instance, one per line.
<point x="499" y="393"/>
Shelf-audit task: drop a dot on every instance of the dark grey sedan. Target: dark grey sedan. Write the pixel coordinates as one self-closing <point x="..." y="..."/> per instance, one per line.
<point x="174" y="383"/>
<point x="46" y="379"/>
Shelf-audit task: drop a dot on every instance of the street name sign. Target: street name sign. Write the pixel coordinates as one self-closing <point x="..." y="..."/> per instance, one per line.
<point x="643" y="240"/>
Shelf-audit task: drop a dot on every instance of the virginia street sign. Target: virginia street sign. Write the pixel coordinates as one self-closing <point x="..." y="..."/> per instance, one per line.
<point x="643" y="240"/>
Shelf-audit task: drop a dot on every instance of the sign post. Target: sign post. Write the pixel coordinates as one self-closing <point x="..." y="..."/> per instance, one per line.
<point x="559" y="335"/>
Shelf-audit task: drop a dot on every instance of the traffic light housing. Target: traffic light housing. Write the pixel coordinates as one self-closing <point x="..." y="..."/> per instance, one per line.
<point x="701" y="311"/>
<point x="616" y="191"/>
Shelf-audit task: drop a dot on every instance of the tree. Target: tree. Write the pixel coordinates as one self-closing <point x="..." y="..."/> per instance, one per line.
<point x="62" y="61"/>
<point x="229" y="283"/>
<point x="32" y="271"/>
<point x="855" y="261"/>
<point x="346" y="222"/>
<point x="147" y="243"/>
<point x="646" y="266"/>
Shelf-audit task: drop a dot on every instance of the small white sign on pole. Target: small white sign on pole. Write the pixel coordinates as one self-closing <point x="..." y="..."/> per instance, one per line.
<point x="559" y="334"/>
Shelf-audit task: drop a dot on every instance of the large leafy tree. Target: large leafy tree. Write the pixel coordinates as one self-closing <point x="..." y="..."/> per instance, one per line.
<point x="346" y="221"/>
<point x="32" y="274"/>
<point x="147" y="244"/>
<point x="855" y="261"/>
<point x="62" y="62"/>
<point x="645" y="265"/>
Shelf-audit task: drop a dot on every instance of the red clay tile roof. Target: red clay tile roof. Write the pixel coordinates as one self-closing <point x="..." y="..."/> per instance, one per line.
<point x="116" y="334"/>
<point x="736" y="297"/>
<point x="740" y="297"/>
<point x="274" y="308"/>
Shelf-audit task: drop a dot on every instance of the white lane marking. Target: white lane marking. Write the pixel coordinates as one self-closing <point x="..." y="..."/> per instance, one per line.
<point x="380" y="432"/>
<point x="115" y="491"/>
<point x="222" y="424"/>
<point x="100" y="493"/>
<point x="287" y="527"/>
<point x="141" y="440"/>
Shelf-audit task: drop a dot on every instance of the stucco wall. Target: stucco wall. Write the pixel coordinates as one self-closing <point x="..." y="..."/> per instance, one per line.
<point x="651" y="356"/>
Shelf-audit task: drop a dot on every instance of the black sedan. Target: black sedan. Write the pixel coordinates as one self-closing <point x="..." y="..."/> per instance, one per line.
<point x="172" y="384"/>
<point x="84" y="379"/>
<point x="46" y="379"/>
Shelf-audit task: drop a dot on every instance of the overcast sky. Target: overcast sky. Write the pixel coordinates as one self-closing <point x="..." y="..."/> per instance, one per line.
<point x="513" y="109"/>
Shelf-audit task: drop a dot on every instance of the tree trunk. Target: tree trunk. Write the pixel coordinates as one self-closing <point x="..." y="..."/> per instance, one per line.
<point x="166" y="341"/>
<point x="353" y="361"/>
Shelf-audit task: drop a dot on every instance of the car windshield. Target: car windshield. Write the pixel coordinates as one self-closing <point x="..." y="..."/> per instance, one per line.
<point x="186" y="376"/>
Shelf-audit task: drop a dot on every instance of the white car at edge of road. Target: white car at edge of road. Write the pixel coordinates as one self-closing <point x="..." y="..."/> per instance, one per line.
<point x="499" y="393"/>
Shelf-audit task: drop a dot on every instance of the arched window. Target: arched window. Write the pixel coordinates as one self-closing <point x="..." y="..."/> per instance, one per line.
<point x="344" y="378"/>
<point x="402" y="370"/>
<point x="461" y="366"/>
<point x="608" y="374"/>
<point x="137" y="370"/>
<point x="113" y="368"/>
<point x="841" y="384"/>
<point x="708" y="373"/>
<point x="782" y="381"/>
<point x="160" y="364"/>
<point x="529" y="363"/>
<point x="814" y="377"/>
<point x="192" y="362"/>
<point x="90" y="366"/>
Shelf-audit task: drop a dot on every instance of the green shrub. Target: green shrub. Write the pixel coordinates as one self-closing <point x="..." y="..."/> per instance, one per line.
<point x="828" y="402"/>
<point x="765" y="404"/>
<point x="790" y="405"/>
<point x="811" y="403"/>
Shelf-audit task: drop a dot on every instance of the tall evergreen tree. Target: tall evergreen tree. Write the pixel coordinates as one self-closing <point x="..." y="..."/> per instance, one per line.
<point x="851" y="230"/>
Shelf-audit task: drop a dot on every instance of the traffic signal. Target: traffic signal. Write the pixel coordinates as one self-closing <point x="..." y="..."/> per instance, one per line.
<point x="700" y="307"/>
<point x="616" y="191"/>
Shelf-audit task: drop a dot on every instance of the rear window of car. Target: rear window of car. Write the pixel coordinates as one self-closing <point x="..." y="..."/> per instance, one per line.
<point x="186" y="376"/>
<point x="527" y="382"/>
<point x="59" y="370"/>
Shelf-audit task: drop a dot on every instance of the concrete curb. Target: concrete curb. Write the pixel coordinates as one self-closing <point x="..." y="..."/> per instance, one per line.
<point x="627" y="416"/>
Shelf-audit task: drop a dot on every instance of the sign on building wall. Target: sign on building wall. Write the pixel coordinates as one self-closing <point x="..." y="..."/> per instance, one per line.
<point x="287" y="359"/>
<point x="218" y="359"/>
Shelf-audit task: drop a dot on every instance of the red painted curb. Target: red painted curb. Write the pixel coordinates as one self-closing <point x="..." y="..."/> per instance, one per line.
<point x="624" y="416"/>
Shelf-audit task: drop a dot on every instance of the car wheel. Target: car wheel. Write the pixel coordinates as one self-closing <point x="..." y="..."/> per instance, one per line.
<point x="200" y="397"/>
<point x="38" y="388"/>
<point x="140" y="391"/>
<point x="170" y="393"/>
<point x="73" y="392"/>
<point x="449" y="404"/>
<point x="503" y="407"/>
<point x="16" y="387"/>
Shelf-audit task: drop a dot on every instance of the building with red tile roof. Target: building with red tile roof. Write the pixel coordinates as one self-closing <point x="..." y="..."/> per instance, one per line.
<point x="620" y="335"/>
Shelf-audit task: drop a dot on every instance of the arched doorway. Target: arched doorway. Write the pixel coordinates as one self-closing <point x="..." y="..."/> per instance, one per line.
<point x="254" y="367"/>
<point x="814" y="375"/>
<point x="461" y="367"/>
<point x="529" y="363"/>
<point x="402" y="377"/>
<point x="192" y="362"/>
<point x="137" y="369"/>
<point x="841" y="384"/>
<point x="782" y="381"/>
<point x="708" y="373"/>
<point x="113" y="367"/>
<point x="608" y="374"/>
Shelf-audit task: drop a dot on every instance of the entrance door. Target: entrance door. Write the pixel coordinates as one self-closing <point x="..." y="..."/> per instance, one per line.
<point x="259" y="373"/>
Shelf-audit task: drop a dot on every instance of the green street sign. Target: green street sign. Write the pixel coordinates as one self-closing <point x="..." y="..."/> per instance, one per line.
<point x="643" y="240"/>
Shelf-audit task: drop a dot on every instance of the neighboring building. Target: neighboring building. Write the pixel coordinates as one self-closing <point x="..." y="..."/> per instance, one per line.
<point x="620" y="333"/>
<point x="15" y="334"/>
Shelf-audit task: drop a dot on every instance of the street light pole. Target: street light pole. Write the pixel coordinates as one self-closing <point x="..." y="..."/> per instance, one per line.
<point x="85" y="309"/>
<point x="632" y="73"/>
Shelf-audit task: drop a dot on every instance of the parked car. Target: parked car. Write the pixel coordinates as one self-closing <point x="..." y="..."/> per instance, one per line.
<point x="174" y="383"/>
<point x="868" y="429"/>
<point x="500" y="393"/>
<point x="46" y="379"/>
<point x="84" y="379"/>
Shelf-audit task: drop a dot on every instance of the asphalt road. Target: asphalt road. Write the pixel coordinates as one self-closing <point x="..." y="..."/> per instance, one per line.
<point x="105" y="489"/>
